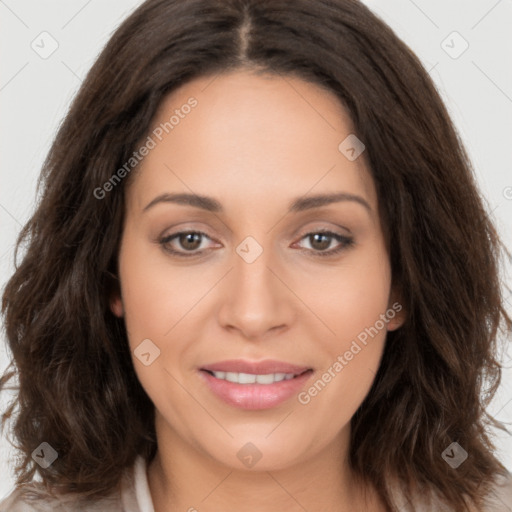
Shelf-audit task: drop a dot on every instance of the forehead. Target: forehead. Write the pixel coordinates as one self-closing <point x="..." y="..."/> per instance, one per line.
<point x="251" y="136"/>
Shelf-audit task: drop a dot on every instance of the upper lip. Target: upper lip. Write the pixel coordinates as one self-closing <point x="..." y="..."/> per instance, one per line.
<point x="255" y="367"/>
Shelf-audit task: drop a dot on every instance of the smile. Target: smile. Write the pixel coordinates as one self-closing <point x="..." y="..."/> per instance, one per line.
<point x="248" y="378"/>
<point x="255" y="391"/>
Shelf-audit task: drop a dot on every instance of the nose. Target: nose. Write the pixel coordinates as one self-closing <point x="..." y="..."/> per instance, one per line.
<point x="257" y="298"/>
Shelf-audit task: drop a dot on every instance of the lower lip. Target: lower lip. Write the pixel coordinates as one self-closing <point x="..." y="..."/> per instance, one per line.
<point x="255" y="396"/>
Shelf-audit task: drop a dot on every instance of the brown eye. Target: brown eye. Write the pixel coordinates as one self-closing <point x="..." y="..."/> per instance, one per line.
<point x="189" y="241"/>
<point x="184" y="243"/>
<point x="320" y="241"/>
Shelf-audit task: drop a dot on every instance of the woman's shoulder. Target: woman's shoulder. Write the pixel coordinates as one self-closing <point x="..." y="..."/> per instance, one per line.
<point x="34" y="498"/>
<point x="132" y="495"/>
<point x="500" y="497"/>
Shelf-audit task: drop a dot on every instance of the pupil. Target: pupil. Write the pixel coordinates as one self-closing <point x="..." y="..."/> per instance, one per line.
<point x="321" y="245"/>
<point x="187" y="241"/>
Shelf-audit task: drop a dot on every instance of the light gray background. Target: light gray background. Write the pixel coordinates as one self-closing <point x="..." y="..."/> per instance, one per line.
<point x="35" y="94"/>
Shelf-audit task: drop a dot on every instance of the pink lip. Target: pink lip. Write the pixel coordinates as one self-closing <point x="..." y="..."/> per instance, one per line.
<point x="255" y="396"/>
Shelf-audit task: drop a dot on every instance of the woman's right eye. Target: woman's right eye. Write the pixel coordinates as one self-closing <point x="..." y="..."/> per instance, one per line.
<point x="189" y="241"/>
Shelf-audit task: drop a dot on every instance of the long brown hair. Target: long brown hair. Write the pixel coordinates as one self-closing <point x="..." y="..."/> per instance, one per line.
<point x="78" y="390"/>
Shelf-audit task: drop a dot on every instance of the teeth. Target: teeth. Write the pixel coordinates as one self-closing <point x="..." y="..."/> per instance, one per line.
<point x="249" y="378"/>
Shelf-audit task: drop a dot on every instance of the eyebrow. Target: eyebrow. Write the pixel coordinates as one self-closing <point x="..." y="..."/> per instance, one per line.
<point x="298" y="205"/>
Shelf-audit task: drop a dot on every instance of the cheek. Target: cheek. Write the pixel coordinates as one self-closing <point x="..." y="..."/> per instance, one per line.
<point x="155" y="294"/>
<point x="155" y="298"/>
<point x="352" y="303"/>
<point x="351" y="297"/>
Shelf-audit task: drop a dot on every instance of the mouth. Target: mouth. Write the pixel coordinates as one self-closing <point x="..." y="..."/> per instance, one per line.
<point x="255" y="385"/>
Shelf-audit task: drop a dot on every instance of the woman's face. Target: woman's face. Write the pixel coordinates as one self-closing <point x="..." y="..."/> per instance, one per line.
<point x="260" y="282"/>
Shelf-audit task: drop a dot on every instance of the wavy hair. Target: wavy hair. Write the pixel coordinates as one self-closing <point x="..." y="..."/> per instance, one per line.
<point x="77" y="387"/>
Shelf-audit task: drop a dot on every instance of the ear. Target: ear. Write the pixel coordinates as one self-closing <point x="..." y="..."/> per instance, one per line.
<point x="396" y="311"/>
<point x="116" y="305"/>
<point x="115" y="300"/>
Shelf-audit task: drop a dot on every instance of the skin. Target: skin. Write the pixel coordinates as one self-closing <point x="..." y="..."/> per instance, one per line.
<point x="254" y="143"/>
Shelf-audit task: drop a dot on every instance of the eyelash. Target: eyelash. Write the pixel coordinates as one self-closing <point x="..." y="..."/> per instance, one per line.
<point x="345" y="242"/>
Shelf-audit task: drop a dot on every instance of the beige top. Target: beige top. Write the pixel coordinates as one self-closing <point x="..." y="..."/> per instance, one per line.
<point x="135" y="496"/>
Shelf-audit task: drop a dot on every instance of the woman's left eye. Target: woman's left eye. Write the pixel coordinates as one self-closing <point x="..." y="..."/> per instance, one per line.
<point x="191" y="241"/>
<point x="323" y="240"/>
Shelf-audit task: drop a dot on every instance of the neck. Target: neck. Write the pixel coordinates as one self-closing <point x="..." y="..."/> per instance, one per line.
<point x="182" y="477"/>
